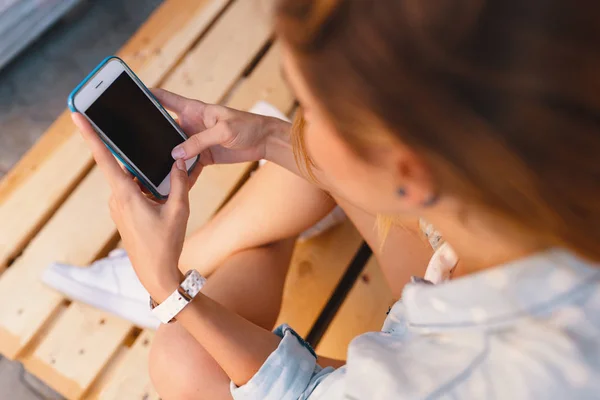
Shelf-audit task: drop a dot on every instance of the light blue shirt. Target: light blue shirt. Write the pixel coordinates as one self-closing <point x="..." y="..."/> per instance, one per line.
<point x="526" y="330"/>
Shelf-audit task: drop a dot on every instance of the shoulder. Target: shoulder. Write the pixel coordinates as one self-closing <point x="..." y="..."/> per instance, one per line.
<point x="529" y="361"/>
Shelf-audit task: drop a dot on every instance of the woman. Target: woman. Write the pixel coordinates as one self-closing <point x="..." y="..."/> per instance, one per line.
<point x="480" y="117"/>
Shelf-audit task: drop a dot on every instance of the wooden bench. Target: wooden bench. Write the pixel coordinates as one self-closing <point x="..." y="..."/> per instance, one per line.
<point x="53" y="207"/>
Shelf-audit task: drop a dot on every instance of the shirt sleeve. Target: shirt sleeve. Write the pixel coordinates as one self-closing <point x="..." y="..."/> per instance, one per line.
<point x="291" y="372"/>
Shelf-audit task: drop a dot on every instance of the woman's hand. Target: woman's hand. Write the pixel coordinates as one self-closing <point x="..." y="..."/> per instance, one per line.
<point x="220" y="135"/>
<point x="153" y="233"/>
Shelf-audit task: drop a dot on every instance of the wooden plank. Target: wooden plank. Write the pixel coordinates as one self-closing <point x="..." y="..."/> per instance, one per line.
<point x="23" y="213"/>
<point x="27" y="199"/>
<point x="262" y="84"/>
<point x="76" y="234"/>
<point x="265" y="83"/>
<point x="243" y="27"/>
<point x="168" y="35"/>
<point x="65" y="352"/>
<point x="316" y="268"/>
<point x="130" y="378"/>
<point x="363" y="311"/>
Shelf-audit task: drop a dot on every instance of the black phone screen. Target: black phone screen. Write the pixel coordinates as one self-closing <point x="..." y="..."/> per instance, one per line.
<point x="139" y="130"/>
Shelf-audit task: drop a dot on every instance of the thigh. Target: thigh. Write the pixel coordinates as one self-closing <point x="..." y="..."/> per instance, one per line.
<point x="249" y="283"/>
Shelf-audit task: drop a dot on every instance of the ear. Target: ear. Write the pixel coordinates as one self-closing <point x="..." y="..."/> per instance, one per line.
<point x="415" y="185"/>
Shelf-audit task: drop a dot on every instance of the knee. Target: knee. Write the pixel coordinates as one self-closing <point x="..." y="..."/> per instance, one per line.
<point x="181" y="369"/>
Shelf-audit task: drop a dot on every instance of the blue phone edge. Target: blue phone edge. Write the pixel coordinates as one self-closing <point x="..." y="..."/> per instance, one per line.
<point x="71" y="105"/>
<point x="71" y="99"/>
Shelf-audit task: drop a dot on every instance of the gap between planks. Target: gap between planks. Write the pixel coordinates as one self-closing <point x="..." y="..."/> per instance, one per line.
<point x="364" y="310"/>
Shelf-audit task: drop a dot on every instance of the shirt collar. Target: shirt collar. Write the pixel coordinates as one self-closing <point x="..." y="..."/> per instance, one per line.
<point x="499" y="295"/>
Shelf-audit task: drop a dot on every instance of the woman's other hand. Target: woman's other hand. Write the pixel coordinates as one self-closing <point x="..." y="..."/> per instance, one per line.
<point x="152" y="232"/>
<point x="219" y="135"/>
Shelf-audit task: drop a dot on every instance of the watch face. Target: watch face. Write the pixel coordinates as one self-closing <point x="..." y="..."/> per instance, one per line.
<point x="193" y="283"/>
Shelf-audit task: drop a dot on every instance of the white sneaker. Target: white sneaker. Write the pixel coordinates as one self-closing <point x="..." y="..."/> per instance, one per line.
<point x="109" y="284"/>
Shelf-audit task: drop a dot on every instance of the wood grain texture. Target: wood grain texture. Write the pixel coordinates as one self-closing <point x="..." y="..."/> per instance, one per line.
<point x="265" y="83"/>
<point x="76" y="234"/>
<point x="363" y="311"/>
<point x="129" y="379"/>
<point x="64" y="357"/>
<point x="36" y="199"/>
<point x="32" y="191"/>
<point x="316" y="268"/>
<point x="211" y="67"/>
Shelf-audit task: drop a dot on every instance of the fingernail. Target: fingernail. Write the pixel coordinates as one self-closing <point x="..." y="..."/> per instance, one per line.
<point x="180" y="164"/>
<point x="178" y="153"/>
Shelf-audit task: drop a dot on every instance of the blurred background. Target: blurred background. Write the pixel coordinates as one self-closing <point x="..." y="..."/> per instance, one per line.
<point x="46" y="48"/>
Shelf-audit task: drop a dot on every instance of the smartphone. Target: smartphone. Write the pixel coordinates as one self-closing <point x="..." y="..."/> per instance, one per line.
<point x="131" y="123"/>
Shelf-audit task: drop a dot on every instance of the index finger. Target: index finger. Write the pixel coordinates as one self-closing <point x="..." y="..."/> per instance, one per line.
<point x="171" y="101"/>
<point x="104" y="158"/>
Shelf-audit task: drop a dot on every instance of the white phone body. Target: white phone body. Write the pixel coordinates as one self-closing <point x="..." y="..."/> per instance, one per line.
<point x="93" y="87"/>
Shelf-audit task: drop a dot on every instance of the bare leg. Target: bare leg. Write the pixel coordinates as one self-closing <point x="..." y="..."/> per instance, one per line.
<point x="249" y="283"/>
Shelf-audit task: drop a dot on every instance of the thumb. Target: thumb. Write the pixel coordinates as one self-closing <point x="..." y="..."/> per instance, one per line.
<point x="179" y="199"/>
<point x="220" y="134"/>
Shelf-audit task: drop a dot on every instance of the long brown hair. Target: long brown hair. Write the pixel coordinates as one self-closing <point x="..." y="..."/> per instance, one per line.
<point x="500" y="97"/>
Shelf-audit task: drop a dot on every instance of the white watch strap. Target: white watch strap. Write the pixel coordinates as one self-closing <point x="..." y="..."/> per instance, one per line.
<point x="189" y="288"/>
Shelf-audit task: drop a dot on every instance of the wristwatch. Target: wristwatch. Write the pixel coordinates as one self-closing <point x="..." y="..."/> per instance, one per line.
<point x="181" y="297"/>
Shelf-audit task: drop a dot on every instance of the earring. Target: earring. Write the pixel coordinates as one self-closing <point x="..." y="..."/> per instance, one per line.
<point x="431" y="200"/>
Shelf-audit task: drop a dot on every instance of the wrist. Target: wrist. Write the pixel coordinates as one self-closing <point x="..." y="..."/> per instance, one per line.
<point x="162" y="286"/>
<point x="277" y="139"/>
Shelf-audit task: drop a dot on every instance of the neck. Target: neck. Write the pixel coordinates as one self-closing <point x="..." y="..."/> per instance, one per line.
<point x="482" y="242"/>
